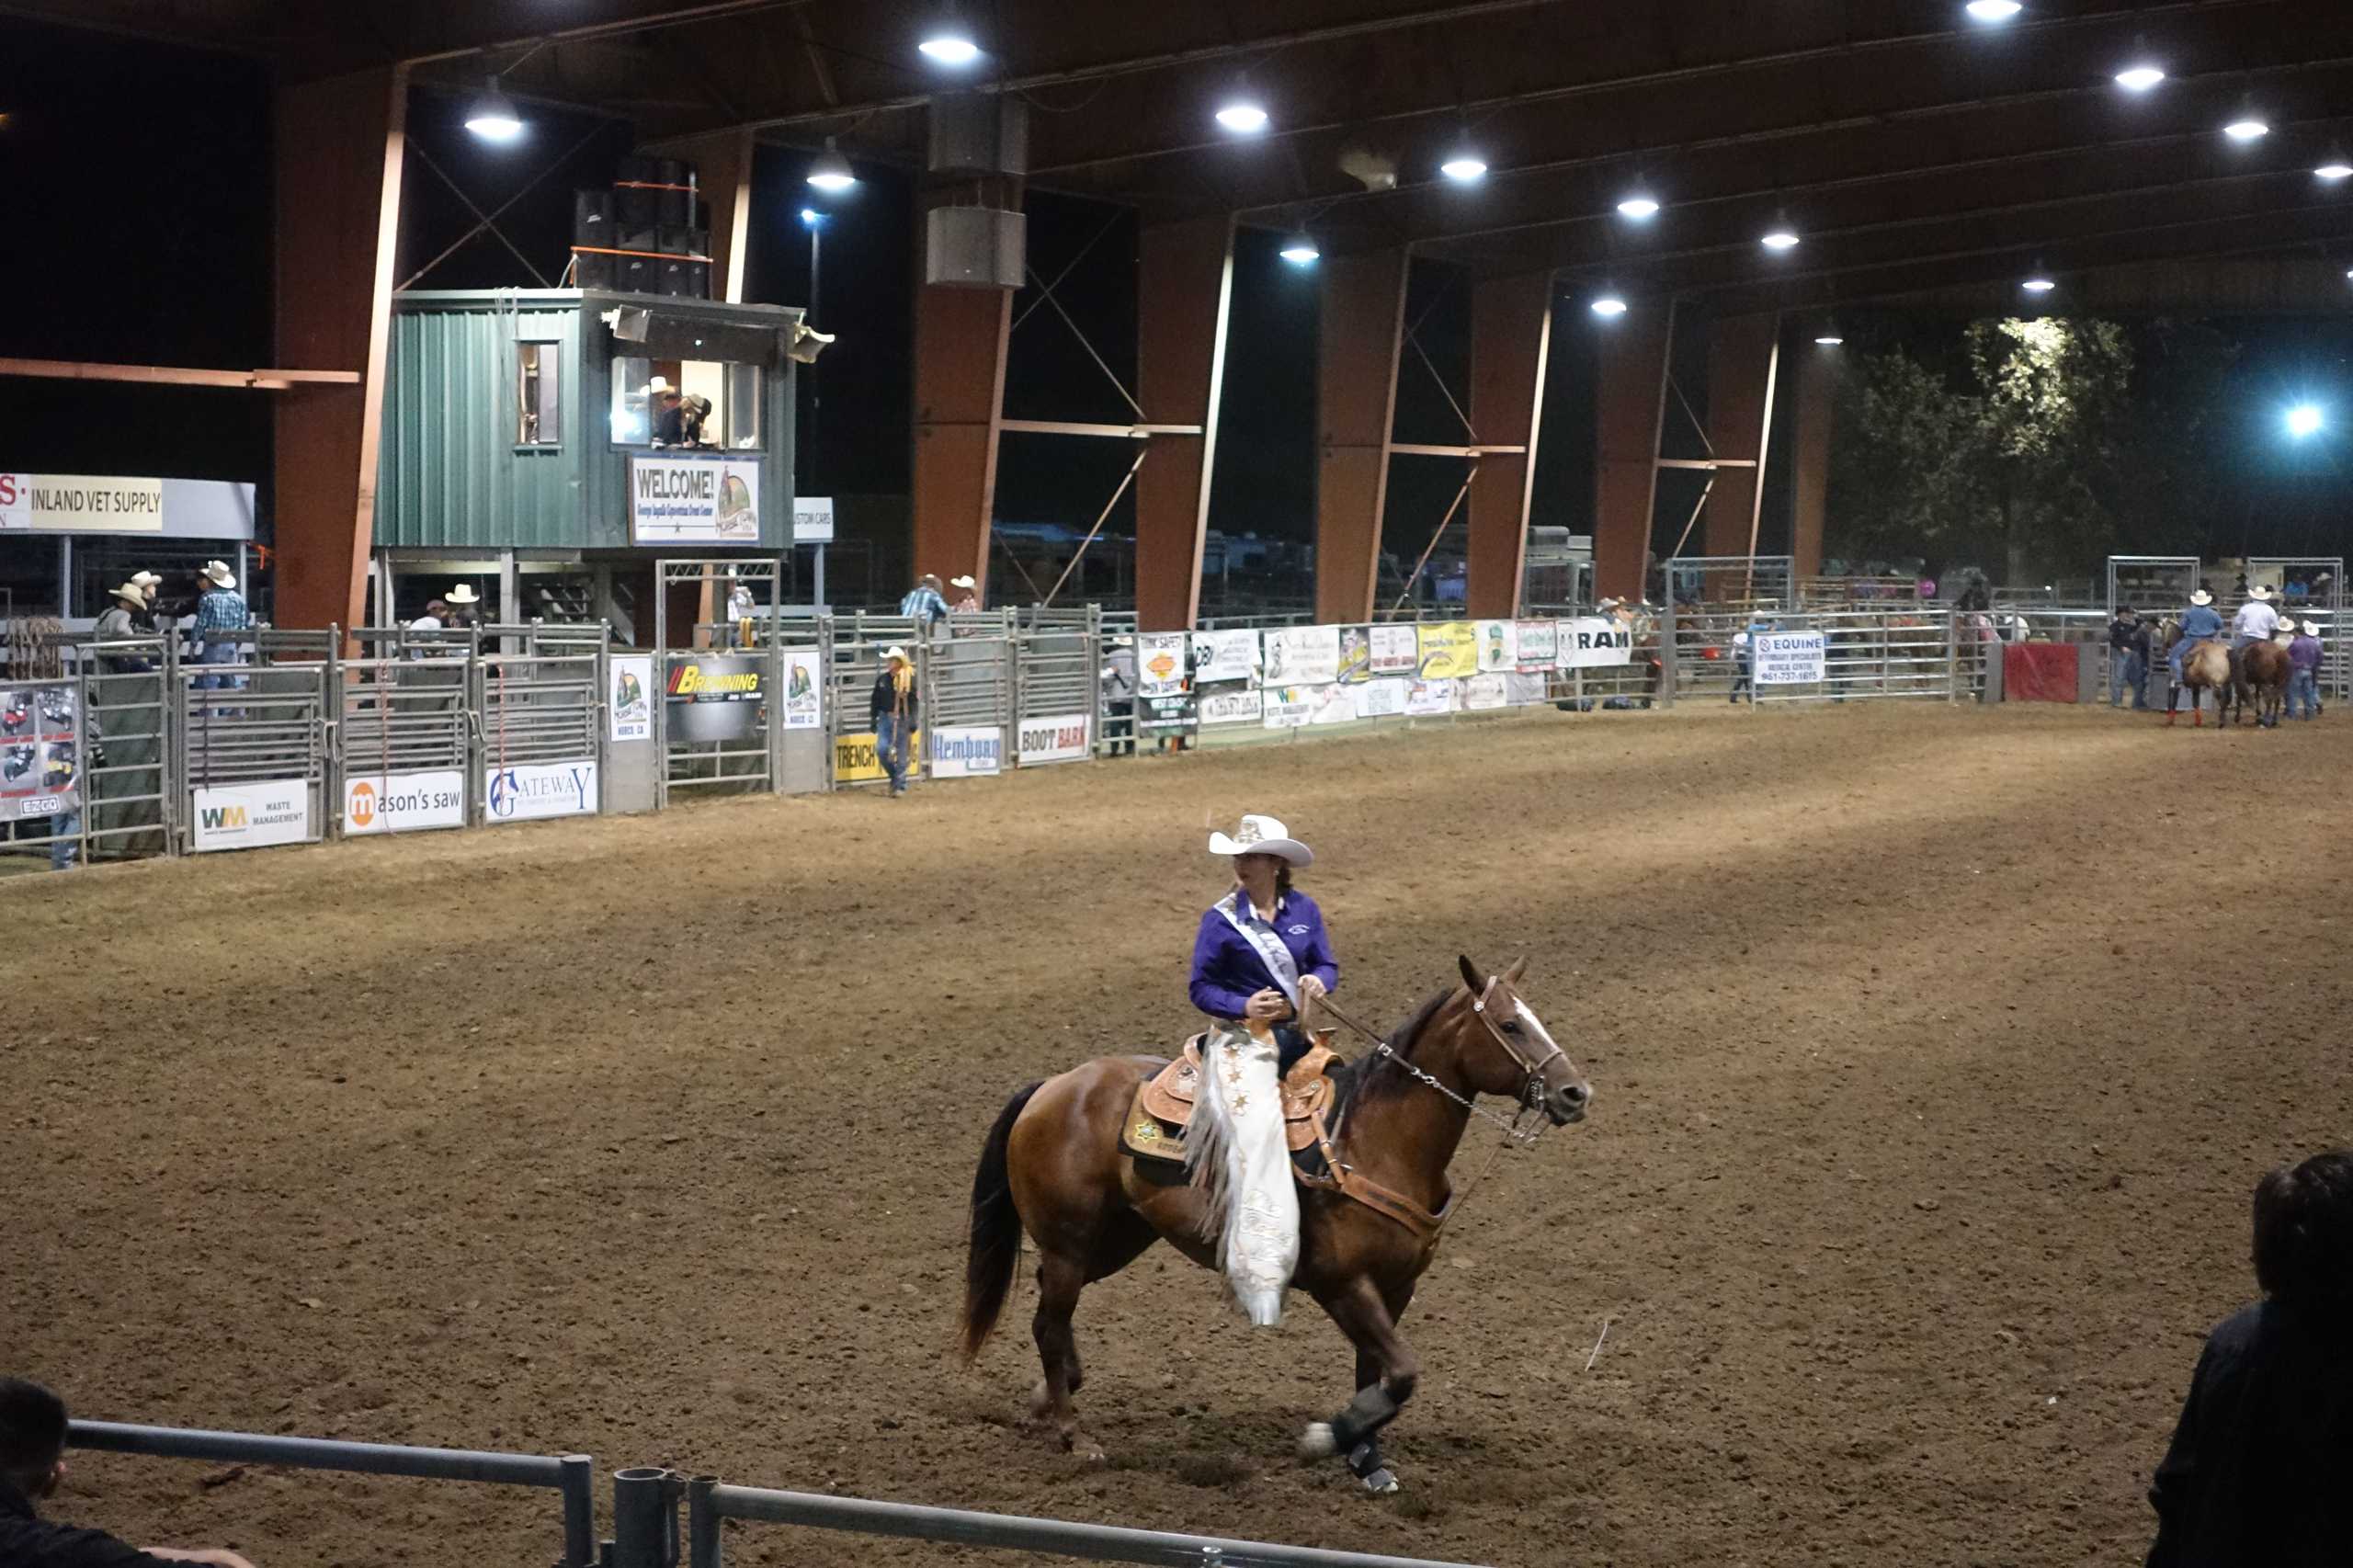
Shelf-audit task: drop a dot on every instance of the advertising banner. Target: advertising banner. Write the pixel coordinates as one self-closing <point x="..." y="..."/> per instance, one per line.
<point x="1429" y="698"/>
<point x="1483" y="692"/>
<point x="1594" y="641"/>
<point x="1303" y="655"/>
<point x="68" y="502"/>
<point x="1449" y="650"/>
<point x="803" y="698"/>
<point x="249" y="816"/>
<point x="1395" y="651"/>
<point x="1288" y="706"/>
<point x="1177" y="715"/>
<point x="1382" y="698"/>
<point x="856" y="760"/>
<point x="697" y="500"/>
<point x="1224" y="655"/>
<point x="1356" y="654"/>
<point x="1160" y="664"/>
<point x="1789" y="658"/>
<point x="1538" y="643"/>
<point x="967" y="751"/>
<point x="1498" y="646"/>
<point x="404" y="802"/>
<point x="530" y="791"/>
<point x="1335" y="704"/>
<point x="40" y="752"/>
<point x="812" y="519"/>
<point x="714" y="696"/>
<point x="1061" y="738"/>
<point x="1234" y="705"/>
<point x="1522" y="687"/>
<point x="630" y="701"/>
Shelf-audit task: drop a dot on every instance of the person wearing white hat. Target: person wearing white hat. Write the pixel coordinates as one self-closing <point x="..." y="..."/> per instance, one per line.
<point x="464" y="605"/>
<point x="968" y="598"/>
<point x="895" y="710"/>
<point x="221" y="621"/>
<point x="2303" y="670"/>
<point x="150" y="584"/>
<point x="1260" y="957"/>
<point x="740" y="606"/>
<point x="2198" y="623"/>
<point x="2256" y="619"/>
<point x="118" y="623"/>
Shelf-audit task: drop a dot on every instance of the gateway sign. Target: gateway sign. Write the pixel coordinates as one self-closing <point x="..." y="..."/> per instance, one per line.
<point x="531" y="790"/>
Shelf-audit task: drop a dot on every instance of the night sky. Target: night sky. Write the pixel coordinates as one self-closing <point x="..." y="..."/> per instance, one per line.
<point x="151" y="245"/>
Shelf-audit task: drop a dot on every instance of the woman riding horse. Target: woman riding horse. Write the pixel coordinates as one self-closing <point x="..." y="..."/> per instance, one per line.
<point x="1260" y="956"/>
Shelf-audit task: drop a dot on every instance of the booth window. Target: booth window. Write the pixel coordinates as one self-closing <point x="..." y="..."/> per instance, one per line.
<point x="538" y="395"/>
<point x="632" y="424"/>
<point x="743" y="431"/>
<point x="733" y="391"/>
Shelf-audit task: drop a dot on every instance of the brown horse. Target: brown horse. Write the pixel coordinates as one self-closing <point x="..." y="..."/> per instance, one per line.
<point x="2261" y="672"/>
<point x="2206" y="667"/>
<point x="1053" y="1167"/>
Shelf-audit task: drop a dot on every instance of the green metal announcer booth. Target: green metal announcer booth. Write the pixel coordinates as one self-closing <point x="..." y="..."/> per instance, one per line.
<point x="544" y="448"/>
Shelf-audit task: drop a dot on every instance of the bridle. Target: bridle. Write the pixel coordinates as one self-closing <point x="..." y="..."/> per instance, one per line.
<point x="1524" y="1125"/>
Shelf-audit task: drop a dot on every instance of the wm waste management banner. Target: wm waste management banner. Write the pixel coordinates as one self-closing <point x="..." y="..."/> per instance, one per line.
<point x="705" y="500"/>
<point x="404" y="802"/>
<point x="1789" y="658"/>
<point x="527" y="791"/>
<point x="248" y="816"/>
<point x="967" y="751"/>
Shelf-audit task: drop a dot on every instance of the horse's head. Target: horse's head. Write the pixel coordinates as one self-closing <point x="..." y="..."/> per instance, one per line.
<point x="1513" y="1055"/>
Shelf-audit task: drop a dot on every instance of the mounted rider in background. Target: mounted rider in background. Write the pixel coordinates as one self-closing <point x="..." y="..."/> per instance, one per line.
<point x="2198" y="623"/>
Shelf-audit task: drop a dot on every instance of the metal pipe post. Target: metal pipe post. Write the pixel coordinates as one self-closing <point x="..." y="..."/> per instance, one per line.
<point x="702" y="1524"/>
<point x="645" y="1524"/>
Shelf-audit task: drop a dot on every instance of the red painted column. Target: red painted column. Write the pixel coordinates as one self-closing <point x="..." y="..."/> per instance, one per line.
<point x="960" y="400"/>
<point x="1630" y="405"/>
<point x="1363" y="323"/>
<point x="339" y="146"/>
<point x="1184" y="288"/>
<point x="1511" y="341"/>
<point x="1817" y="392"/>
<point x="1741" y="366"/>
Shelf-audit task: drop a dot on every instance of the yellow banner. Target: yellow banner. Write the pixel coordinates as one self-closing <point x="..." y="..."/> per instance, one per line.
<point x="1449" y="650"/>
<point x="856" y="760"/>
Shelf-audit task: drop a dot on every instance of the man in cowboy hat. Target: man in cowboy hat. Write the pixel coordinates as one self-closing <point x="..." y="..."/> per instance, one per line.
<point x="118" y="623"/>
<point x="893" y="708"/>
<point x="968" y="599"/>
<point x="2256" y="619"/>
<point x="669" y="413"/>
<point x="2199" y="622"/>
<point x="220" y="620"/>
<point x="740" y="606"/>
<point x="2303" y="671"/>
<point x="463" y="606"/>
<point x="148" y="584"/>
<point x="924" y="602"/>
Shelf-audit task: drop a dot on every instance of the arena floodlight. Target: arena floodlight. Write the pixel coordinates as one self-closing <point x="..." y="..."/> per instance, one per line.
<point x="2305" y="419"/>
<point x="1300" y="249"/>
<point x="830" y="170"/>
<point x="1610" y="305"/>
<point x="1244" y="117"/>
<point x="2247" y="128"/>
<point x="1641" y="207"/>
<point x="1830" y="338"/>
<point x="492" y="116"/>
<point x="947" y="40"/>
<point x="1780" y="239"/>
<point x="2140" y="78"/>
<point x="2038" y="284"/>
<point x="1464" y="168"/>
<point x="2334" y="170"/>
<point x="1993" y="11"/>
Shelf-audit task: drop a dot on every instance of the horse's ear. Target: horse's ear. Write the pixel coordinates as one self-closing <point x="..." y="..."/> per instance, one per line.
<point x="1518" y="968"/>
<point x="1470" y="975"/>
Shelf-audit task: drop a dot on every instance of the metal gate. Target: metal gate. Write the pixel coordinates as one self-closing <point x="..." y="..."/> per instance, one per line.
<point x="401" y="753"/>
<point x="1059" y="689"/>
<point x="1866" y="654"/>
<point x="2321" y="579"/>
<point x="860" y="643"/>
<point x="256" y="751"/>
<point x="540" y="740"/>
<point x="718" y="720"/>
<point x="968" y="706"/>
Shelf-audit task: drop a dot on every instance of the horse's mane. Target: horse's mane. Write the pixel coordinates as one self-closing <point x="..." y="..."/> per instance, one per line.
<point x="1363" y="1080"/>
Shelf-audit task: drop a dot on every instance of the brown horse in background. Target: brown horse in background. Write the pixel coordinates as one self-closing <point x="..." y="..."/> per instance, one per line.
<point x="2206" y="667"/>
<point x="2261" y="671"/>
<point x="1053" y="1167"/>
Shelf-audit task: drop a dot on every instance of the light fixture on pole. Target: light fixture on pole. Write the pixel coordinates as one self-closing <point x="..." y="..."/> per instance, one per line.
<point x="1638" y="206"/>
<point x="2248" y="127"/>
<point x="1300" y="249"/>
<point x="830" y="171"/>
<point x="1465" y="167"/>
<point x="1827" y="335"/>
<point x="492" y="116"/>
<point x="1779" y="237"/>
<point x="948" y="40"/>
<point x="1608" y="304"/>
<point x="1242" y="115"/>
<point x="2039" y="282"/>
<point x="2305" y="419"/>
<point x="2140" y="77"/>
<point x="2335" y="169"/>
<point x="1991" y="11"/>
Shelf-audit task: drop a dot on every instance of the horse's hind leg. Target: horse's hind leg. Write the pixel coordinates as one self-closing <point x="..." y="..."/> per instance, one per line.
<point x="1060" y="1280"/>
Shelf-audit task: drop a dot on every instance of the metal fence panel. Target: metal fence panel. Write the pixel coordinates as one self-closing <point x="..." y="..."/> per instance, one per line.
<point x="254" y="744"/>
<point x="539" y="740"/>
<point x="402" y="746"/>
<point x="1060" y="678"/>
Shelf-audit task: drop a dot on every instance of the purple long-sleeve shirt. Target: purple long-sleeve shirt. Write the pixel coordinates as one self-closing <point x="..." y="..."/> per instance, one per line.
<point x="2303" y="653"/>
<point x="1227" y="971"/>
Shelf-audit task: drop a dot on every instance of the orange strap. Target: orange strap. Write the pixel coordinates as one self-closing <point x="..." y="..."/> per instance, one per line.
<point x="649" y="184"/>
<point x="657" y="255"/>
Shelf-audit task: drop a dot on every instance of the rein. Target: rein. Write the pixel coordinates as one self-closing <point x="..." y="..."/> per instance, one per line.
<point x="1531" y="1096"/>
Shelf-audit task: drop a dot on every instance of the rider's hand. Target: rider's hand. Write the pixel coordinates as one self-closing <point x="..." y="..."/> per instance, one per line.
<point x="1311" y="986"/>
<point x="1268" y="1006"/>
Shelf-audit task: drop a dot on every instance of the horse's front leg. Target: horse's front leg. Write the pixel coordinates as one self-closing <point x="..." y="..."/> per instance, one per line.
<point x="1371" y="1327"/>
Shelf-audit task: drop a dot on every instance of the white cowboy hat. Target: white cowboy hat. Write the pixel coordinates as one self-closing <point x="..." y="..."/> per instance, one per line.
<point x="131" y="591"/>
<point x="217" y="572"/>
<point x="145" y="579"/>
<point x="659" y="387"/>
<point x="894" y="651"/>
<point x="1262" y="836"/>
<point x="963" y="582"/>
<point x="2259" y="591"/>
<point x="463" y="594"/>
<point x="2200" y="597"/>
<point x="2312" y="629"/>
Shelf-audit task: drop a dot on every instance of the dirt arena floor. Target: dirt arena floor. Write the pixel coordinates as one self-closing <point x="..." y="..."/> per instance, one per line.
<point x="1918" y="1166"/>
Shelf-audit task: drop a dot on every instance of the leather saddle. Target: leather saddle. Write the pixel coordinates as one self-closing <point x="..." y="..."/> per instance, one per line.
<point x="1163" y="1104"/>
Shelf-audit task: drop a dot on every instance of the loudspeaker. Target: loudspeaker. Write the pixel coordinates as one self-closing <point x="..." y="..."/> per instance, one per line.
<point x="594" y="271"/>
<point x="592" y="217"/>
<point x="637" y="239"/>
<point x="979" y="133"/>
<point x="675" y="281"/>
<point x="674" y="240"/>
<point x="699" y="280"/>
<point x="980" y="246"/>
<point x="638" y="274"/>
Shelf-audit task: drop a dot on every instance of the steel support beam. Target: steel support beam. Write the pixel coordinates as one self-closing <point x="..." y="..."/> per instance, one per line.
<point x="1818" y="401"/>
<point x="1185" y="292"/>
<point x="960" y="337"/>
<point x="724" y="170"/>
<point x="1362" y="328"/>
<point x="1511" y="343"/>
<point x="1743" y="354"/>
<point x="1631" y="407"/>
<point x="339" y="188"/>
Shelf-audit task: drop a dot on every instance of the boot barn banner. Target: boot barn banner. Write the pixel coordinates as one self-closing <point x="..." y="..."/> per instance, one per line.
<point x="714" y="500"/>
<point x="1061" y="738"/>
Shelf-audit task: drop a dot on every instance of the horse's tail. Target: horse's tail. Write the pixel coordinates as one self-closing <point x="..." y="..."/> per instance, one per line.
<point x="995" y="1245"/>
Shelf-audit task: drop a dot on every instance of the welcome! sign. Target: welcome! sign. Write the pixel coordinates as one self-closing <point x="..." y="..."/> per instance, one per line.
<point x="710" y="500"/>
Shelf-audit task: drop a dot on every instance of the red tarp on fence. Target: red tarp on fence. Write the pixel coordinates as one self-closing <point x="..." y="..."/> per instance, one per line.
<point x="2040" y="672"/>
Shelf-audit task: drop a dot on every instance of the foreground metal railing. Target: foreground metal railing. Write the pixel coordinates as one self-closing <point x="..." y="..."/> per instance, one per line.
<point x="573" y="1476"/>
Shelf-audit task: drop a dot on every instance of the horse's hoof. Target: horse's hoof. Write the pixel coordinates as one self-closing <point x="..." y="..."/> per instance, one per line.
<point x="1083" y="1450"/>
<point x="1317" y="1442"/>
<point x="1382" y="1482"/>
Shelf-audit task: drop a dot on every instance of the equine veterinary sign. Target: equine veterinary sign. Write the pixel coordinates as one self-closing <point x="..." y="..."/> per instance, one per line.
<point x="1790" y="658"/>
